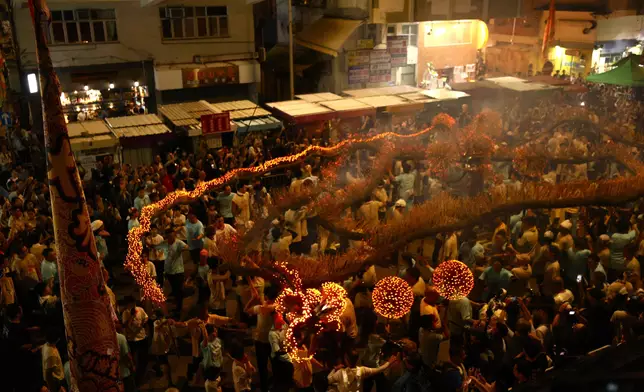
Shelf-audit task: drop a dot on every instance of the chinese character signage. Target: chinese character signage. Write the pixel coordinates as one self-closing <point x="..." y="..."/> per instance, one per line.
<point x="210" y="76"/>
<point x="379" y="66"/>
<point x="397" y="48"/>
<point x="358" y="66"/>
<point x="215" y="123"/>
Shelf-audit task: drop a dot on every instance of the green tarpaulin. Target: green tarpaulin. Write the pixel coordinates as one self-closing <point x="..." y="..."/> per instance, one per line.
<point x="629" y="72"/>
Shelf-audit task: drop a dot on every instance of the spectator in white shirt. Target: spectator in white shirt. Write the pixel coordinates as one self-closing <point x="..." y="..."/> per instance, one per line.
<point x="349" y="377"/>
<point x="155" y="244"/>
<point x="134" y="321"/>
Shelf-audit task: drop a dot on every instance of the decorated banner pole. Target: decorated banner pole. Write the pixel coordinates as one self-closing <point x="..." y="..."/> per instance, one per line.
<point x="91" y="336"/>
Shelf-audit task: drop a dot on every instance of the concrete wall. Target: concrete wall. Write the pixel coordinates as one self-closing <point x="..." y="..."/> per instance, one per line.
<point x="444" y="56"/>
<point x="139" y="32"/>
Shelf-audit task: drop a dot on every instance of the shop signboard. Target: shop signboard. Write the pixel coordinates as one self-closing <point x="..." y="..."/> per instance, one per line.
<point x="358" y="66"/>
<point x="365" y="44"/>
<point x="397" y="47"/>
<point x="380" y="66"/>
<point x="358" y="58"/>
<point x="215" y="123"/>
<point x="380" y="56"/>
<point x="380" y="76"/>
<point x="201" y="77"/>
<point x="359" y="75"/>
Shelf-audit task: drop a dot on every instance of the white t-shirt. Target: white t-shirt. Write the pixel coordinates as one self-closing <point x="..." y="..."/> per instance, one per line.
<point x="264" y="324"/>
<point x="241" y="378"/>
<point x="156" y="251"/>
<point x="135" y="329"/>
<point x="222" y="236"/>
<point x="243" y="205"/>
<point x="564" y="296"/>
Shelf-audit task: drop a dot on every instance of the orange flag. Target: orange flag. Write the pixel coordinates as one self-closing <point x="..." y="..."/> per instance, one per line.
<point x="549" y="32"/>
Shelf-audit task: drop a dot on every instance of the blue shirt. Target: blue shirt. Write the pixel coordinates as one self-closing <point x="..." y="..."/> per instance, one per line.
<point x="577" y="263"/>
<point x="174" y="260"/>
<point x="194" y="230"/>
<point x="225" y="204"/>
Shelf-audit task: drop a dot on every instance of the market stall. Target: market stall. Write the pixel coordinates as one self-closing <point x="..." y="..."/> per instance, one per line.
<point x="90" y="104"/>
<point x="628" y="72"/>
<point x="450" y="101"/>
<point x="393" y="109"/>
<point x="186" y="119"/>
<point x="140" y="137"/>
<point x="372" y="92"/>
<point x="91" y="141"/>
<point x="318" y="97"/>
<point x="350" y="115"/>
<point x="310" y="117"/>
<point x="247" y="116"/>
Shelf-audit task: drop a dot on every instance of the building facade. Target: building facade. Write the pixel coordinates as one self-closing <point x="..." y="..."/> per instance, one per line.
<point x="133" y="55"/>
<point x="581" y="28"/>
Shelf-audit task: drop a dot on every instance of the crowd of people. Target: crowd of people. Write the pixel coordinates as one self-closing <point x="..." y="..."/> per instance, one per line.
<point x="550" y="285"/>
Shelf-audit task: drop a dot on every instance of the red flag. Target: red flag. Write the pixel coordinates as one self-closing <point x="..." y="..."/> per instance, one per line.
<point x="549" y="32"/>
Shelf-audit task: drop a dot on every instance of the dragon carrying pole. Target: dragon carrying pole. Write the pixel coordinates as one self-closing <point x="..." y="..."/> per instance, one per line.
<point x="89" y="327"/>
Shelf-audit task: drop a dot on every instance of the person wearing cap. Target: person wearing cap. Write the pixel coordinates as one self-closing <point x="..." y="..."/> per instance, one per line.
<point x="398" y="211"/>
<point x="564" y="237"/>
<point x="280" y="360"/>
<point x="99" y="236"/>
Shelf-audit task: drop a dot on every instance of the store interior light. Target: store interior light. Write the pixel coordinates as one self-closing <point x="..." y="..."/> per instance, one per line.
<point x="136" y="84"/>
<point x="111" y="86"/>
<point x="32" y="81"/>
<point x="86" y="88"/>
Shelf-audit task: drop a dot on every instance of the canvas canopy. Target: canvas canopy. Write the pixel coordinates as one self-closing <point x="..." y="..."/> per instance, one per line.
<point x="629" y="73"/>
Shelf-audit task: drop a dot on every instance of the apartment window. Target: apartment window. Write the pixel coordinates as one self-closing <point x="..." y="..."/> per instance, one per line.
<point x="82" y="26"/>
<point x="411" y="31"/>
<point x="193" y="22"/>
